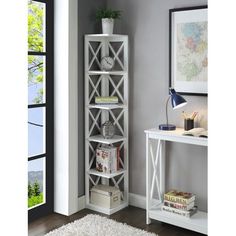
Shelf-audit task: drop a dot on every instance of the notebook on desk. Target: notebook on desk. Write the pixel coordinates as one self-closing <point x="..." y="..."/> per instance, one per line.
<point x="197" y="132"/>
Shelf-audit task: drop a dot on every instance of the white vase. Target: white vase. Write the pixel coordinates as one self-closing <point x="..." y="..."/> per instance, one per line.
<point x="107" y="25"/>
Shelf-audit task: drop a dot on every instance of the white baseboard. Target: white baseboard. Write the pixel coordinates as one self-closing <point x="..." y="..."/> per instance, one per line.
<point x="81" y="202"/>
<point x="137" y="200"/>
<point x="78" y="205"/>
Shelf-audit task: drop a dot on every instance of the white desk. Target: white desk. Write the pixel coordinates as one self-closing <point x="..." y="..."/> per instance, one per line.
<point x="155" y="179"/>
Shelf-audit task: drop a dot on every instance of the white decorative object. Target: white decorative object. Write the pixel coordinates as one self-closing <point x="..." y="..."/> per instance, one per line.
<point x="108" y="129"/>
<point x="155" y="179"/>
<point x="99" y="83"/>
<point x="107" y="25"/>
<point x="105" y="196"/>
<point x="107" y="63"/>
<point x="92" y="225"/>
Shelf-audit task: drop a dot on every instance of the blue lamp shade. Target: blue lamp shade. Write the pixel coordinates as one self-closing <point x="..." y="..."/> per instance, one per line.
<point x="177" y="101"/>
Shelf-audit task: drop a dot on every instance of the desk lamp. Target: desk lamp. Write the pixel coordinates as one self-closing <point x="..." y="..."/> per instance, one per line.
<point x="177" y="101"/>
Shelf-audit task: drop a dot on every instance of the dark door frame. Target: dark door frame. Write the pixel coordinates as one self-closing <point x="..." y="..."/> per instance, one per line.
<point x="47" y="208"/>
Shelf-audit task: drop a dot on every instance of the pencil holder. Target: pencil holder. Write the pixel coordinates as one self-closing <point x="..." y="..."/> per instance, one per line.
<point x="188" y="124"/>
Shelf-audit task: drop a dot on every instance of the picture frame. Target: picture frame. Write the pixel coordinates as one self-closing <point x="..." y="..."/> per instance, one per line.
<point x="188" y="59"/>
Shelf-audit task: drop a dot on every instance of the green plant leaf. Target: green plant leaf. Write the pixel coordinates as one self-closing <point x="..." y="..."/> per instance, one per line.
<point x="108" y="13"/>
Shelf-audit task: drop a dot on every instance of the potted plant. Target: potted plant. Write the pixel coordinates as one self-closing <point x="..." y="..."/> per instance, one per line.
<point x="107" y="16"/>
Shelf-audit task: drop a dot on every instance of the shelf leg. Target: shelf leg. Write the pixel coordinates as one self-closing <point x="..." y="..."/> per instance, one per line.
<point x="148" y="220"/>
<point x="162" y="169"/>
<point x="156" y="170"/>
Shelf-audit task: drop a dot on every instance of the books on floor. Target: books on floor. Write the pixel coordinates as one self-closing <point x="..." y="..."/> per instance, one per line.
<point x="179" y="203"/>
<point x="108" y="159"/>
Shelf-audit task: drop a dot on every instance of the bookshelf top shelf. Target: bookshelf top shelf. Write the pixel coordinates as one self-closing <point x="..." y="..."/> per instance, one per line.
<point x="106" y="35"/>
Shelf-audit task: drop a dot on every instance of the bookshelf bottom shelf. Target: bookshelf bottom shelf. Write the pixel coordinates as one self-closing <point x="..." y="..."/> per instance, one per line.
<point x="198" y="222"/>
<point x="107" y="211"/>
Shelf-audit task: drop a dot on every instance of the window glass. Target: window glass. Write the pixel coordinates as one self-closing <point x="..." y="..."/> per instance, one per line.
<point x="36" y="26"/>
<point x="36" y="131"/>
<point x="36" y="79"/>
<point x="36" y="182"/>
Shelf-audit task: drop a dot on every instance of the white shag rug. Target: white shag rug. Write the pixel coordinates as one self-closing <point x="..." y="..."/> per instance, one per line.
<point x="95" y="225"/>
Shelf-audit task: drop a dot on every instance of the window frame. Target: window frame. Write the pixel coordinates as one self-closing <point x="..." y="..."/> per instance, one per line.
<point x="47" y="207"/>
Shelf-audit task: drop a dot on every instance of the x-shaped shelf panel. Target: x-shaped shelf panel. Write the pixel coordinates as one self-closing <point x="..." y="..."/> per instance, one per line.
<point x="93" y="156"/>
<point x="117" y="182"/>
<point x="117" y="53"/>
<point x="116" y="120"/>
<point x="116" y="88"/>
<point x="96" y="181"/>
<point x="155" y="157"/>
<point x="95" y="122"/>
<point x="95" y="85"/>
<point x="95" y="55"/>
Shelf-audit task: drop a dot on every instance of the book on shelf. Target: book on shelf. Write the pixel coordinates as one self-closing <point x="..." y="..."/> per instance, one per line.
<point x="180" y="206"/>
<point x="197" y="132"/>
<point x="118" y="158"/>
<point x="179" y="212"/>
<point x="107" y="159"/>
<point x="179" y="197"/>
<point x="106" y="100"/>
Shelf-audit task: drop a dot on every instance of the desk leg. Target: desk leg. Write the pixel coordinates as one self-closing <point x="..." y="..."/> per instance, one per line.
<point x="148" y="220"/>
<point x="162" y="169"/>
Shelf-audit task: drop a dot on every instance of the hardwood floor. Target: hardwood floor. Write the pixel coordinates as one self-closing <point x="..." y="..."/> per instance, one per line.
<point x="131" y="215"/>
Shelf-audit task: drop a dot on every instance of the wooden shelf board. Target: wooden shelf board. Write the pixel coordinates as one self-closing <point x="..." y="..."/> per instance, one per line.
<point x="197" y="222"/>
<point x="99" y="139"/>
<point x="105" y="175"/>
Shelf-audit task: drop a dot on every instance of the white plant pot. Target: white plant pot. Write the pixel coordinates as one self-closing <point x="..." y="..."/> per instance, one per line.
<point x="107" y="25"/>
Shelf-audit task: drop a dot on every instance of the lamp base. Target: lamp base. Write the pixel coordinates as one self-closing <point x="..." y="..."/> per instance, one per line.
<point x="167" y="127"/>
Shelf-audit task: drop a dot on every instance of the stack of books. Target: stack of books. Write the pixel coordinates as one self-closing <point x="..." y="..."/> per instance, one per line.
<point x="106" y="100"/>
<point x="108" y="159"/>
<point x="180" y="203"/>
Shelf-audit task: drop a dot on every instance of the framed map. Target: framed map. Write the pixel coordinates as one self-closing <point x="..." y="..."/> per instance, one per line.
<point x="188" y="57"/>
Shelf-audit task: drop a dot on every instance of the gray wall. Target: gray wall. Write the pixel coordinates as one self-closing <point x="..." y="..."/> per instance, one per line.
<point x="147" y="24"/>
<point x="87" y="25"/>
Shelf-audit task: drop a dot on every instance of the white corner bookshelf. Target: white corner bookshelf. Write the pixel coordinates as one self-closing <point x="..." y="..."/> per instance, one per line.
<point x="106" y="83"/>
